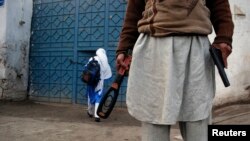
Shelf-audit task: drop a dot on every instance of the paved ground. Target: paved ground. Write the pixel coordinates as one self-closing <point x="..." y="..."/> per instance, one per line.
<point x="29" y="121"/>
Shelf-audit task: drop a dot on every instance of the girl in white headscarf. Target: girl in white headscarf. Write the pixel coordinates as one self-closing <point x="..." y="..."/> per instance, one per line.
<point x="95" y="94"/>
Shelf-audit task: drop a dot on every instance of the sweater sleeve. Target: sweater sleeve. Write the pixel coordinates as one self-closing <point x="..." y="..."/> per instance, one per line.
<point x="129" y="33"/>
<point x="221" y="19"/>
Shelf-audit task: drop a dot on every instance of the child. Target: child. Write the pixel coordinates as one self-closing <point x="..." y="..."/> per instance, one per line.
<point x="95" y="93"/>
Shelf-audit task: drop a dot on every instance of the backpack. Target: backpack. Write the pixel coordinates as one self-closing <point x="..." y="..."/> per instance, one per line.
<point x="91" y="73"/>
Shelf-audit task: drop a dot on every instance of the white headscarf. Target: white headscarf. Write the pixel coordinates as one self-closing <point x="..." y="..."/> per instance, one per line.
<point x="104" y="64"/>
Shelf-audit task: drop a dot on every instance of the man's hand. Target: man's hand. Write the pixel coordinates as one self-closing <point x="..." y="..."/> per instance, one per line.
<point x="120" y="62"/>
<point x="225" y="50"/>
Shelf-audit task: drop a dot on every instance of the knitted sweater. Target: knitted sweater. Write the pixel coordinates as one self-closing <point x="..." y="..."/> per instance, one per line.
<point x="176" y="17"/>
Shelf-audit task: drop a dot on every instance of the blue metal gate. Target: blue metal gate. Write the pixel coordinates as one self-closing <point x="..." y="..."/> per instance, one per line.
<point x="64" y="34"/>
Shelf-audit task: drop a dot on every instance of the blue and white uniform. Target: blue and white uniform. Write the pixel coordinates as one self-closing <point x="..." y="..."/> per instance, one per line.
<point x="95" y="93"/>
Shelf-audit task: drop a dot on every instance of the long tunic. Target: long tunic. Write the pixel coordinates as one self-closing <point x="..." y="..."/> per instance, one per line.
<point x="171" y="79"/>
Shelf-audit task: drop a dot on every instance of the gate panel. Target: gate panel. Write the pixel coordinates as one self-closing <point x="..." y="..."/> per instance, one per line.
<point x="52" y="46"/>
<point x="91" y="24"/>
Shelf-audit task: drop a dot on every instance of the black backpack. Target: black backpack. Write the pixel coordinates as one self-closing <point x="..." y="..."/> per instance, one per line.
<point x="91" y="73"/>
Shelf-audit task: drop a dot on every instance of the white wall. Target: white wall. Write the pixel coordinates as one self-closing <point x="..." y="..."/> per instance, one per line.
<point x="239" y="61"/>
<point x="14" y="47"/>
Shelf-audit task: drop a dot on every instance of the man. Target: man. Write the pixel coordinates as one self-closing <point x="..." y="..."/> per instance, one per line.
<point x="171" y="76"/>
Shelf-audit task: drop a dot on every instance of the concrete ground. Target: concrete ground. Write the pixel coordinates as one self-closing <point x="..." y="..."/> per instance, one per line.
<point x="30" y="121"/>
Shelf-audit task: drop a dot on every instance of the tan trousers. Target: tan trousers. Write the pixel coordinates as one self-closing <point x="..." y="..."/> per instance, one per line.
<point x="190" y="131"/>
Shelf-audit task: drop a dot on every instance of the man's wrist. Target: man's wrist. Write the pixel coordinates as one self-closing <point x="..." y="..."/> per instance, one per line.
<point x="225" y="40"/>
